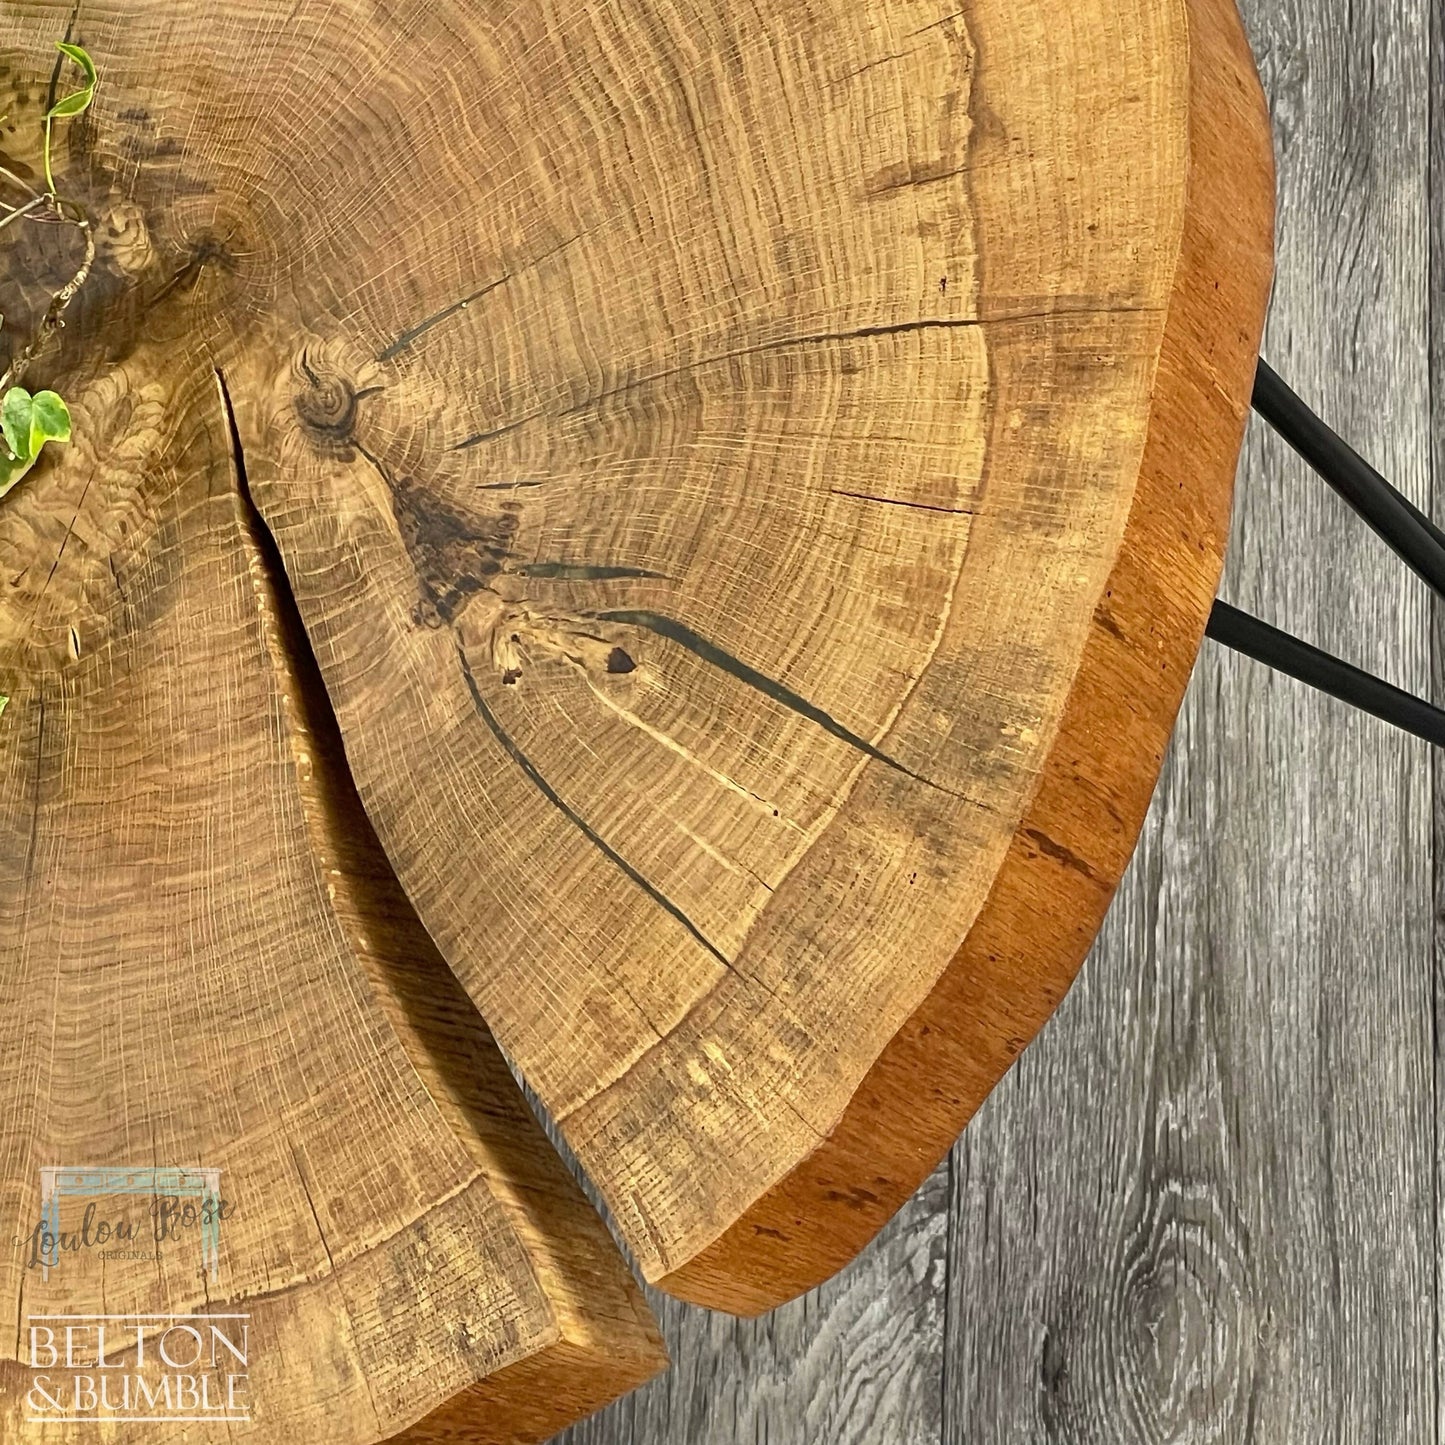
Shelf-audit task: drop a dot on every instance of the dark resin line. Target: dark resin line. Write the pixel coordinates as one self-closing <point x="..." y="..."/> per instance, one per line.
<point x="407" y="337"/>
<point x="710" y="652"/>
<point x="477" y="438"/>
<point x="785" y="343"/>
<point x="861" y="333"/>
<point x="576" y="819"/>
<point x="422" y="327"/>
<point x="582" y="572"/>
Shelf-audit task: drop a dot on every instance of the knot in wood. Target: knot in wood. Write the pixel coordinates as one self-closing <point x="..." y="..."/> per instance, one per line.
<point x="326" y="403"/>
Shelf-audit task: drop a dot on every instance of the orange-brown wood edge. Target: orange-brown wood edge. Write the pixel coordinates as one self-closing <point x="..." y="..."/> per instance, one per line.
<point x="1076" y="837"/>
<point x="531" y="1400"/>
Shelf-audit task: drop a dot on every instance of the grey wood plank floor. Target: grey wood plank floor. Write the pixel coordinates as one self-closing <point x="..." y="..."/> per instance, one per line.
<point x="1203" y="1207"/>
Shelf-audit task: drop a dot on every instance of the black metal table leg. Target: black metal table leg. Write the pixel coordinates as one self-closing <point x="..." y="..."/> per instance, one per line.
<point x="1404" y="528"/>
<point x="1276" y="649"/>
<point x="1408" y="532"/>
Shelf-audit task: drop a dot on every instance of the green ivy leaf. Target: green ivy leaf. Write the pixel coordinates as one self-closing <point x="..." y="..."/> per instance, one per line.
<point x="49" y="421"/>
<point x="15" y="419"/>
<point x="72" y="105"/>
<point x="80" y="100"/>
<point x="81" y="57"/>
<point x="4" y="703"/>
<point x="28" y="423"/>
<point x="12" y="469"/>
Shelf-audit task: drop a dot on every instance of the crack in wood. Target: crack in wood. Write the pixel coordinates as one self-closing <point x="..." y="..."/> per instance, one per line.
<point x="539" y="781"/>
<point x="902" y="502"/>
<point x="412" y="333"/>
<point x="821" y="338"/>
<point x="584" y="572"/>
<point x="785" y="343"/>
<point x="477" y="438"/>
<point x="421" y="328"/>
<point x="35" y="790"/>
<point x="432" y="1013"/>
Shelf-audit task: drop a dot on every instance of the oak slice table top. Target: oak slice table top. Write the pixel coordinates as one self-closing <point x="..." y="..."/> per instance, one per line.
<point x="657" y="541"/>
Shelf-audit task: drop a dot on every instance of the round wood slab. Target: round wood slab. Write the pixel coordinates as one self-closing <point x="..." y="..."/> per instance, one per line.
<point x="730" y="492"/>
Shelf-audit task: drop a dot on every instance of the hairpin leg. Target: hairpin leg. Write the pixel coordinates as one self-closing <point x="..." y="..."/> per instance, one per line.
<point x="1411" y="534"/>
<point x="1403" y="527"/>
<point x="1276" y="649"/>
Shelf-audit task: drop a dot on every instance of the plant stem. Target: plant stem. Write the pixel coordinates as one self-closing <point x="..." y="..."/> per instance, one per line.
<point x="53" y="318"/>
<point x="49" y="179"/>
<point x="15" y="180"/>
<point x="23" y="211"/>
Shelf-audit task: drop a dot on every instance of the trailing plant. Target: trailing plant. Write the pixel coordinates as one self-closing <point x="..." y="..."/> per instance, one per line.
<point x="27" y="421"/>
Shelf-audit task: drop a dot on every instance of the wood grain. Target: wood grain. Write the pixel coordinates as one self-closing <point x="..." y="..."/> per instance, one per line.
<point x="1202" y="1208"/>
<point x="402" y="1234"/>
<point x="700" y="750"/>
<point x="1081" y="823"/>
<point x="750" y="480"/>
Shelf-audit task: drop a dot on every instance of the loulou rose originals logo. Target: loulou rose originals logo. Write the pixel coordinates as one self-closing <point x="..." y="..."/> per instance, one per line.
<point x="171" y="1205"/>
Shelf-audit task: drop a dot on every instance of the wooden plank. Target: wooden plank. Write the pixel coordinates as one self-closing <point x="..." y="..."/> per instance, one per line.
<point x="858" y="1361"/>
<point x="1202" y="1206"/>
<point x="1436" y="190"/>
